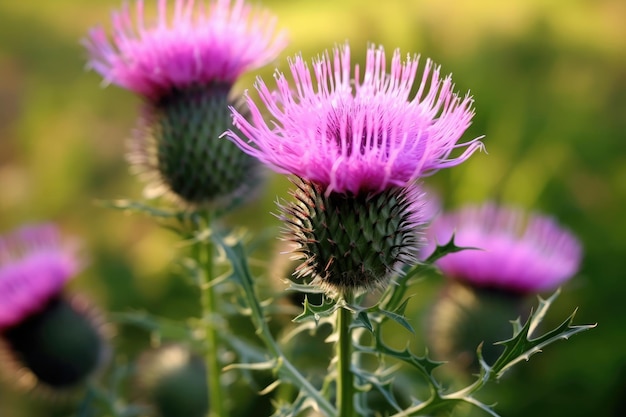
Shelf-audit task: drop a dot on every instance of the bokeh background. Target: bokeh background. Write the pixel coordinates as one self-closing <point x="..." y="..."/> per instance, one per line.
<point x="549" y="80"/>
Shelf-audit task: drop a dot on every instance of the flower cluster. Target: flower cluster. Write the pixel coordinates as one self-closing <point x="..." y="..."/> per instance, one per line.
<point x="357" y="142"/>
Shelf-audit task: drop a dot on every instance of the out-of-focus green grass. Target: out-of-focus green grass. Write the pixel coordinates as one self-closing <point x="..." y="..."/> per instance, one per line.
<point x="549" y="80"/>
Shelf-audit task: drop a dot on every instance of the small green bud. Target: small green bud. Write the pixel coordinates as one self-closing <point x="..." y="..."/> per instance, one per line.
<point x="172" y="380"/>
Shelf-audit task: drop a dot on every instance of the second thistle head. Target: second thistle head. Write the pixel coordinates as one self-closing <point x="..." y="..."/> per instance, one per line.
<point x="53" y="340"/>
<point x="517" y="253"/>
<point x="356" y="144"/>
<point x="184" y="65"/>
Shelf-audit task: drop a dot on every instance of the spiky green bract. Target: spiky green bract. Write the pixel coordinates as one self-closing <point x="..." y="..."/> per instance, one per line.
<point x="61" y="345"/>
<point x="352" y="242"/>
<point x="178" y="150"/>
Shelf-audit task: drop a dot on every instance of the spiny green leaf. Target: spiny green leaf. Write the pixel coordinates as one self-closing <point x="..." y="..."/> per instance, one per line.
<point x="316" y="312"/>
<point x="398" y="318"/>
<point x="382" y="381"/>
<point x="448" y="248"/>
<point x="438" y="403"/>
<point x="362" y="320"/>
<point x="379" y="314"/>
<point x="402" y="307"/>
<point x="422" y="363"/>
<point x="521" y="346"/>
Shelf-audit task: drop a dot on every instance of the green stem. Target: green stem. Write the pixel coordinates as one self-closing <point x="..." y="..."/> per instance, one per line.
<point x="205" y="256"/>
<point x="345" y="378"/>
<point x="285" y="369"/>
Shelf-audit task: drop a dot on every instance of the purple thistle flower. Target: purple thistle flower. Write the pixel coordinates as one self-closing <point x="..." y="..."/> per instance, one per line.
<point x="34" y="267"/>
<point x="519" y="252"/>
<point x="199" y="44"/>
<point x="353" y="134"/>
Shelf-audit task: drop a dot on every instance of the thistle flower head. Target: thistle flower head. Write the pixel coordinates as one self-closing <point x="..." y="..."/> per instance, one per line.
<point x="53" y="340"/>
<point x="199" y="44"/>
<point x="353" y="134"/>
<point x="519" y="252"/>
<point x="34" y="267"/>
<point x="184" y="66"/>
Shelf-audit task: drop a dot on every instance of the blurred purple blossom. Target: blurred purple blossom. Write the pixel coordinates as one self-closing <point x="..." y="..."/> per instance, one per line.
<point x="35" y="264"/>
<point x="516" y="251"/>
<point x="199" y="44"/>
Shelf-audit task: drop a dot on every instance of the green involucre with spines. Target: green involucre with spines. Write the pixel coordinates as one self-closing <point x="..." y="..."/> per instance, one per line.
<point x="61" y="345"/>
<point x="352" y="242"/>
<point x="186" y="158"/>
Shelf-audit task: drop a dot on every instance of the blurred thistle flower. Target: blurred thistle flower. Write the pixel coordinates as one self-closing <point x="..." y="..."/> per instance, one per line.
<point x="516" y="254"/>
<point x="172" y="381"/>
<point x="201" y="45"/>
<point x="517" y="251"/>
<point x="356" y="146"/>
<point x="48" y="337"/>
<point x="185" y="67"/>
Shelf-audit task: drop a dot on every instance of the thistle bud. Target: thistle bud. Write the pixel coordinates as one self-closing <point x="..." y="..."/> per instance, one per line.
<point x="172" y="381"/>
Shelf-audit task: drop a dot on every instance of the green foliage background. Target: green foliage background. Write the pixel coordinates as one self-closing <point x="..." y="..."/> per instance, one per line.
<point x="549" y="80"/>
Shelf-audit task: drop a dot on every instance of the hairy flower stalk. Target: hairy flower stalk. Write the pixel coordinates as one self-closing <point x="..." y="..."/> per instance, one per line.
<point x="184" y="67"/>
<point x="516" y="254"/>
<point x="52" y="337"/>
<point x="356" y="146"/>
